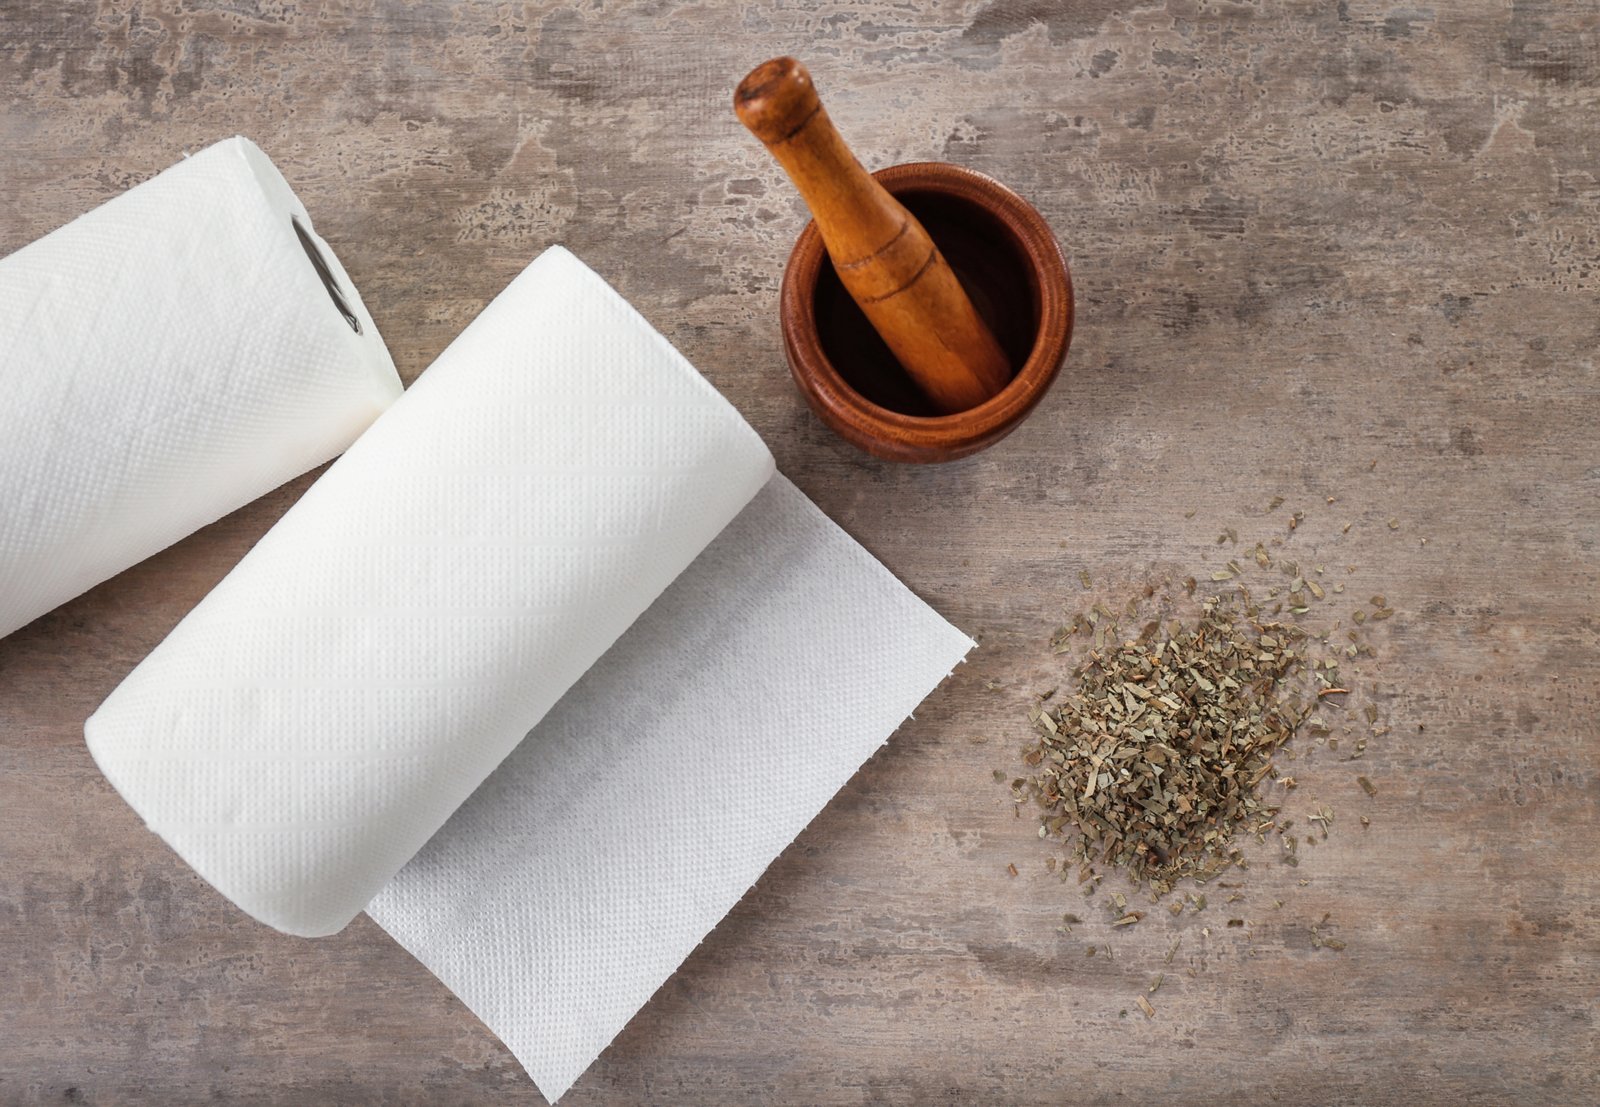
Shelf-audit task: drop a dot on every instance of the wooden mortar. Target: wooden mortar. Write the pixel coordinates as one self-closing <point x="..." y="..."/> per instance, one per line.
<point x="1007" y="259"/>
<point x="926" y="308"/>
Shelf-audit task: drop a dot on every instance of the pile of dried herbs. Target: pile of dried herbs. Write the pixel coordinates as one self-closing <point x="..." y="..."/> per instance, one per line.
<point x="1154" y="760"/>
<point x="1158" y="758"/>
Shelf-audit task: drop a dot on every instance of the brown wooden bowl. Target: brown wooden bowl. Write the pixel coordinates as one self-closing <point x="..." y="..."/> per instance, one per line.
<point x="1010" y="265"/>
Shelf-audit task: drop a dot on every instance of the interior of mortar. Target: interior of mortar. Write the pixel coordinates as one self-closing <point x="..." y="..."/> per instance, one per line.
<point x="993" y="268"/>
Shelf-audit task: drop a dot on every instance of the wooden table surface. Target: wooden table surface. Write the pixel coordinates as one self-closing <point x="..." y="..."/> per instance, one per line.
<point x="1343" y="250"/>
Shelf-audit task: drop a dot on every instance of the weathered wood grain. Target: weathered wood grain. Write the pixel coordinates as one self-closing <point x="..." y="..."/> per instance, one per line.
<point x="1307" y="237"/>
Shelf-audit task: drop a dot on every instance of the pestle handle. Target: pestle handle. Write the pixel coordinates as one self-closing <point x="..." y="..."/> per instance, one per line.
<point x="882" y="254"/>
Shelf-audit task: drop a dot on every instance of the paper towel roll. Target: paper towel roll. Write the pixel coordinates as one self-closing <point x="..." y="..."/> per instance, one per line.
<point x="333" y="710"/>
<point x="166" y="358"/>
<point x="308" y="726"/>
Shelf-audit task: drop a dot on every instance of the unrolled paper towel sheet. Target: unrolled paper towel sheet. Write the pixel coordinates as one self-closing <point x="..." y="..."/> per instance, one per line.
<point x="166" y="358"/>
<point x="592" y="862"/>
<point x="512" y="525"/>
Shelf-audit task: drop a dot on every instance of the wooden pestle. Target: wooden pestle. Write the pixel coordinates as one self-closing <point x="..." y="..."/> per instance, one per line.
<point x="882" y="254"/>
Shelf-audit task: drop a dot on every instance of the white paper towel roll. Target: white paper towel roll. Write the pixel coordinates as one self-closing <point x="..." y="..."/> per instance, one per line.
<point x="514" y="525"/>
<point x="165" y="359"/>
<point x="308" y="726"/>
